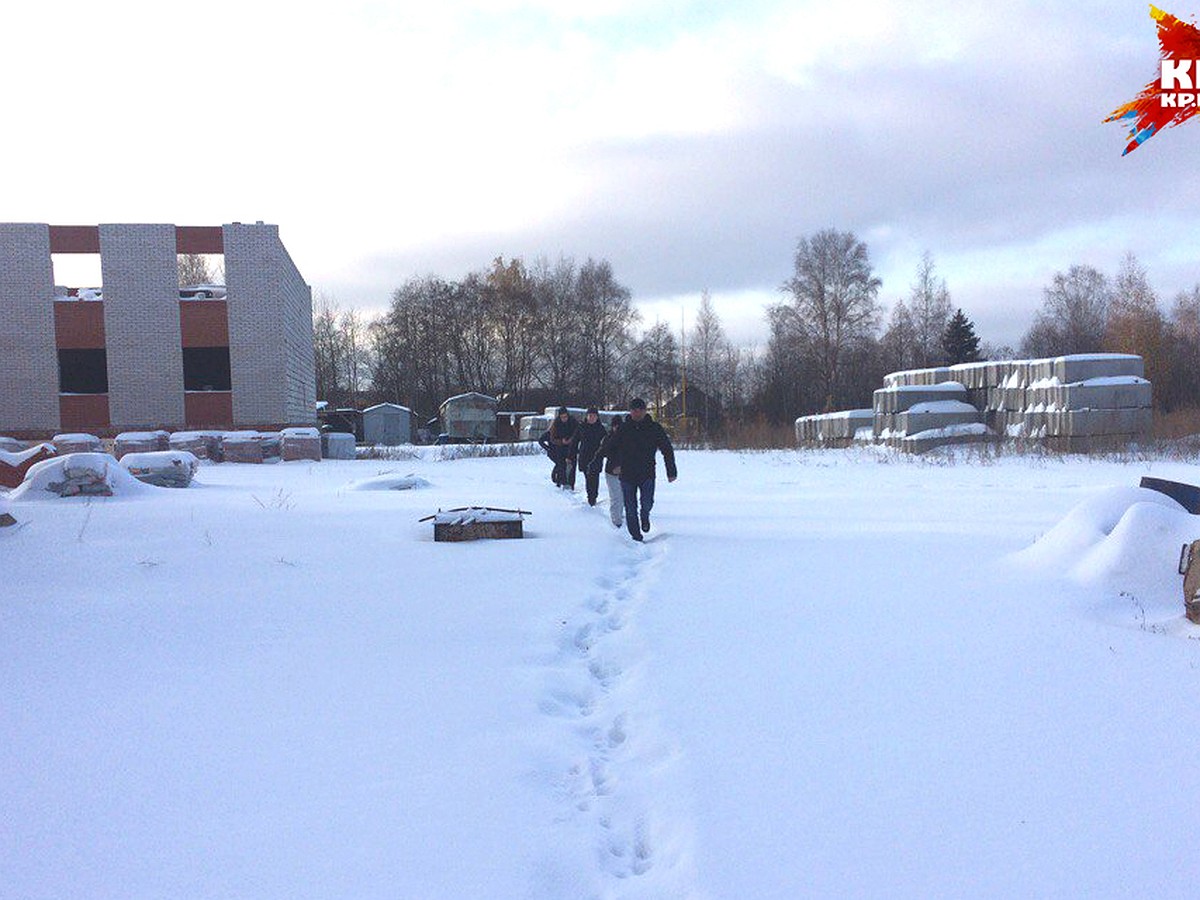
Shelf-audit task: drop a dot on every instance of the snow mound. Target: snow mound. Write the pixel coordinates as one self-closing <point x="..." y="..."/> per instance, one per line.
<point x="165" y="468"/>
<point x="390" y="482"/>
<point x="100" y="471"/>
<point x="1121" y="530"/>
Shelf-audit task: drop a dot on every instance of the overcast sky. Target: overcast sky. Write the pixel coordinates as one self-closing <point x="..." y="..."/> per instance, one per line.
<point x="689" y="143"/>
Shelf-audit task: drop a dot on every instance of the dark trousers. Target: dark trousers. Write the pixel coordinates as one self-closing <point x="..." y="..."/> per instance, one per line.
<point x="564" y="471"/>
<point x="630" y="491"/>
<point x="592" y="481"/>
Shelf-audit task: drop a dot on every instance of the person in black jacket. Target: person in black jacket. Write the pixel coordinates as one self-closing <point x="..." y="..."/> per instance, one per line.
<point x="588" y="436"/>
<point x="559" y="443"/>
<point x="612" y="473"/>
<point x="635" y="444"/>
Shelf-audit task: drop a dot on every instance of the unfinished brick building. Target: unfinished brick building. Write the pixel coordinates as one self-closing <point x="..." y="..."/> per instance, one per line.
<point x="138" y="355"/>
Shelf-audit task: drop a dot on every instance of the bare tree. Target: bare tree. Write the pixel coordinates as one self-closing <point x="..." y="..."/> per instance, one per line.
<point x="929" y="307"/>
<point x="1136" y="323"/>
<point x="654" y="364"/>
<point x="899" y="342"/>
<point x="833" y="303"/>
<point x="1073" y="317"/>
<point x="556" y="293"/>
<point x="198" y="268"/>
<point x="606" y="318"/>
<point x="709" y="362"/>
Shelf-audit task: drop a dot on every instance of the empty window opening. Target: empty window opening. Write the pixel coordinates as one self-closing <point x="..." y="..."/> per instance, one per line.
<point x="77" y="276"/>
<point x="82" y="372"/>
<point x="201" y="276"/>
<point x="206" y="369"/>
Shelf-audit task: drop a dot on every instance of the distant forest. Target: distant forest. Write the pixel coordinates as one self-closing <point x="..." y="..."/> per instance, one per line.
<point x="546" y="333"/>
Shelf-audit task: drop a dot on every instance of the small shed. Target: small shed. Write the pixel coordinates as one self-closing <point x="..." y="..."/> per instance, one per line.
<point x="388" y="424"/>
<point x="469" y="417"/>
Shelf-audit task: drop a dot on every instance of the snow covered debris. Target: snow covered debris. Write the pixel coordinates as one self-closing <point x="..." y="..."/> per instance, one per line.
<point x="164" y="468"/>
<point x="390" y="482"/>
<point x="76" y="474"/>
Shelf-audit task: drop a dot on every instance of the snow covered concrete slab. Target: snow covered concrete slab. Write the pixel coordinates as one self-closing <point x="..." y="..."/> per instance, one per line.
<point x="1085" y="366"/>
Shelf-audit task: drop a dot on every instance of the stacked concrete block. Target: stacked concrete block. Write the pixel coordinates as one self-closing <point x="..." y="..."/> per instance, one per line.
<point x="28" y="354"/>
<point x="531" y="427"/>
<point x="1076" y="403"/>
<point x="935" y="415"/>
<point x="1086" y="366"/>
<point x="967" y="433"/>
<point x="141" y="323"/>
<point x="889" y="402"/>
<point x="337" y="445"/>
<point x="837" y="429"/>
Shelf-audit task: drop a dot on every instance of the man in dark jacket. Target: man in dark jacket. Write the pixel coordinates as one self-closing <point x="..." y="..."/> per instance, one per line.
<point x="635" y="444"/>
<point x="588" y="436"/>
<point x="559" y="443"/>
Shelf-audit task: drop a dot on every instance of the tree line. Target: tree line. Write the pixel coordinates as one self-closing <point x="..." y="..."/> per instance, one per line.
<point x="553" y="332"/>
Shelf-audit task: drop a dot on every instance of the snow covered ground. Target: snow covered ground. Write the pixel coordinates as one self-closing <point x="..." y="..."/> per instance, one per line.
<point x="827" y="674"/>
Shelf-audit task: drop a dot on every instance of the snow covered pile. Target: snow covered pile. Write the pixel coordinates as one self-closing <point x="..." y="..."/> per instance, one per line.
<point x="141" y="442"/>
<point x="76" y="442"/>
<point x="390" y="481"/>
<point x="1124" y="538"/>
<point x="164" y="468"/>
<point x="76" y="474"/>
<point x="300" y="443"/>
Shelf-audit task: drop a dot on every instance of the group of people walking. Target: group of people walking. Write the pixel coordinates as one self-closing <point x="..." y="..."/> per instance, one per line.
<point x="625" y="453"/>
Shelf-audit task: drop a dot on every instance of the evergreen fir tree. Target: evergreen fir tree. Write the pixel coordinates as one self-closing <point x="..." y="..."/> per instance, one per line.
<point x="960" y="341"/>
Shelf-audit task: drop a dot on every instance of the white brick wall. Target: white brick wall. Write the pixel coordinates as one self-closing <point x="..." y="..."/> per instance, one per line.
<point x="141" y="324"/>
<point x="28" y="358"/>
<point x="270" y="330"/>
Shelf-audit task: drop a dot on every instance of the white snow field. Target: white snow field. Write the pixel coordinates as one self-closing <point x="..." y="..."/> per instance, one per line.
<point x="826" y="674"/>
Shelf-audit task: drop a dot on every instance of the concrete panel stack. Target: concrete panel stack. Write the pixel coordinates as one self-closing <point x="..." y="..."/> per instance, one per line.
<point x="1075" y="403"/>
<point x="938" y="414"/>
<point x="837" y="429"/>
<point x="889" y="402"/>
<point x="337" y="445"/>
<point x="531" y="427"/>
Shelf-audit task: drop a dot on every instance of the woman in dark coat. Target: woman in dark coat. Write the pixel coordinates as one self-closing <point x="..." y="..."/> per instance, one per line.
<point x="559" y="443"/>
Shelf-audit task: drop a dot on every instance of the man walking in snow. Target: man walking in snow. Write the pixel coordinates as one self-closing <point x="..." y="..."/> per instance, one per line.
<point x="588" y="437"/>
<point x="634" y="445"/>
